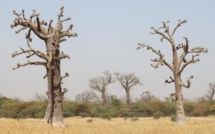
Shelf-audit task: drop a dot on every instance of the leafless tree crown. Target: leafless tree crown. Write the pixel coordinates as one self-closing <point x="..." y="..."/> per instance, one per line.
<point x="211" y="92"/>
<point x="182" y="62"/>
<point x="101" y="82"/>
<point x="44" y="31"/>
<point x="128" y="80"/>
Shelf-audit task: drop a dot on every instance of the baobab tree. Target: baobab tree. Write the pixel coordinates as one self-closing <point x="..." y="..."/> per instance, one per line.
<point x="128" y="81"/>
<point x="87" y="96"/>
<point x="100" y="84"/>
<point x="52" y="37"/>
<point x="179" y="63"/>
<point x="147" y="97"/>
<point x="211" y="92"/>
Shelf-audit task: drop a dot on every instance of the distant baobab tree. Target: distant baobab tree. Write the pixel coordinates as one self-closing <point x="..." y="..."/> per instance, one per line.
<point x="87" y="96"/>
<point x="147" y="97"/>
<point x="211" y="92"/>
<point x="100" y="84"/>
<point x="128" y="81"/>
<point x="52" y="37"/>
<point x="179" y="63"/>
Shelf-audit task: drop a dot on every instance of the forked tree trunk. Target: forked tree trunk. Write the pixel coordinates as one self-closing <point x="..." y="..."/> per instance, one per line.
<point x="179" y="107"/>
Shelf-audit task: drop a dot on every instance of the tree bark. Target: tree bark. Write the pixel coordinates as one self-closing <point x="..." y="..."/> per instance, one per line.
<point x="104" y="101"/>
<point x="179" y="108"/>
<point x="128" y="97"/>
<point x="54" y="111"/>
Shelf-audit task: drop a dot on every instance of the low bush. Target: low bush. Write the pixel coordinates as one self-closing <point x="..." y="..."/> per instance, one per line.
<point x="173" y="118"/>
<point x="157" y="115"/>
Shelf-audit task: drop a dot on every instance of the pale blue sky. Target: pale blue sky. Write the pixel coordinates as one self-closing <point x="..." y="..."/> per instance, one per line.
<point x="109" y="31"/>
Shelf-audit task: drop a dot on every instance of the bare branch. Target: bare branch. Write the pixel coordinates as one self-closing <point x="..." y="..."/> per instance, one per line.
<point x="171" y="80"/>
<point x="62" y="40"/>
<point x="38" y="24"/>
<point x="65" y="90"/>
<point x="179" y="24"/>
<point x="28" y="35"/>
<point x="31" y="52"/>
<point x="50" y="25"/>
<point x="173" y="97"/>
<point x="67" y="19"/>
<point x="34" y="26"/>
<point x="101" y="82"/>
<point x="198" y="50"/>
<point x="68" y="34"/>
<point x="188" y="83"/>
<point x="185" y="51"/>
<point x="62" y="77"/>
<point x="193" y="60"/>
<point x="62" y="56"/>
<point x="61" y="13"/>
<point x="19" y="30"/>
<point x="29" y="63"/>
<point x="161" y="61"/>
<point x="166" y="30"/>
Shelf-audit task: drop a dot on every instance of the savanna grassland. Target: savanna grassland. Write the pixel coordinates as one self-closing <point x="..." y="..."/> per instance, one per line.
<point x="78" y="125"/>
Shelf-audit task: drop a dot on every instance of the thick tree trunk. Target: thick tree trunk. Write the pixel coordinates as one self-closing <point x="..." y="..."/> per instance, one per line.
<point x="54" y="111"/>
<point x="180" y="114"/>
<point x="128" y="101"/>
<point x="50" y="106"/>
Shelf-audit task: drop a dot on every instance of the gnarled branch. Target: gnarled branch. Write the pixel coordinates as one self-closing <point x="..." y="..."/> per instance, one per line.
<point x="27" y="23"/>
<point x="193" y="60"/>
<point x="188" y="82"/>
<point x="161" y="61"/>
<point x="62" y="77"/>
<point x="30" y="52"/>
<point x="170" y="81"/>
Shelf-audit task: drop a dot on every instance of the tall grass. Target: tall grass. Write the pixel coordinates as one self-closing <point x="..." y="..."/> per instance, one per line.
<point x="78" y="125"/>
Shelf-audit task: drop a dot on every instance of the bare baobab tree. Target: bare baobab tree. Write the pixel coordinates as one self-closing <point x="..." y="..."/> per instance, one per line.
<point x="178" y="64"/>
<point x="100" y="84"/>
<point x="128" y="81"/>
<point x="87" y="96"/>
<point x="211" y="92"/>
<point x="53" y="37"/>
<point x="146" y="96"/>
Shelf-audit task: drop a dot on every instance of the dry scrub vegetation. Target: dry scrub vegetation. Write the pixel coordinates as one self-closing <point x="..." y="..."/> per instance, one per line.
<point x="78" y="125"/>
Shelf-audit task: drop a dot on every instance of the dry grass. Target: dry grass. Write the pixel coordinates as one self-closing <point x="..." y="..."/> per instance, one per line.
<point x="78" y="125"/>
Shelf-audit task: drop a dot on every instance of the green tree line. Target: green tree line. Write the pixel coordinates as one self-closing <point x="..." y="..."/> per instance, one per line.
<point x="18" y="109"/>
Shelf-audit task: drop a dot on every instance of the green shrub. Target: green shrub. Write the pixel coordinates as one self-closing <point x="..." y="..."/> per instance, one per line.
<point x="212" y="109"/>
<point x="173" y="118"/>
<point x="115" y="101"/>
<point x="169" y="108"/>
<point x="106" y="116"/>
<point x="69" y="108"/>
<point x="157" y="115"/>
<point x="82" y="109"/>
<point x="188" y="108"/>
